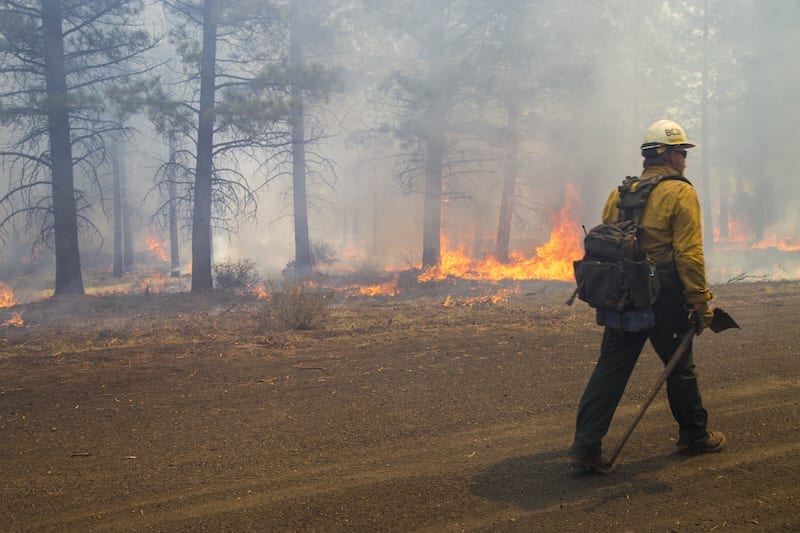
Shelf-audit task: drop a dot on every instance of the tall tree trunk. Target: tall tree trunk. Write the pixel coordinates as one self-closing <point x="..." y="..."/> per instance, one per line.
<point x="762" y="204"/>
<point x="708" y="220"/>
<point x="376" y="202"/>
<point x="512" y="105"/>
<point x="435" y="144"/>
<point x="509" y="183"/>
<point x="174" y="248"/>
<point x="118" y="270"/>
<point x="129" y="253"/>
<point x="432" y="208"/>
<point x="741" y="206"/>
<point x="201" y="214"/>
<point x="302" y="243"/>
<point x="65" y="219"/>
<point x="724" y="209"/>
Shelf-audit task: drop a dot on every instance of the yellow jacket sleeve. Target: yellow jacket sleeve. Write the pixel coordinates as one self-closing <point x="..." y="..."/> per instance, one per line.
<point x="687" y="244"/>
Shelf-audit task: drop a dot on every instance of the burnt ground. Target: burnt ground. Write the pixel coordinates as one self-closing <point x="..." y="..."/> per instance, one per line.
<point x="176" y="412"/>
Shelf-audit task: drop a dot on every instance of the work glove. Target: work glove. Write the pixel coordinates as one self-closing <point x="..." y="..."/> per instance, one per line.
<point x="700" y="316"/>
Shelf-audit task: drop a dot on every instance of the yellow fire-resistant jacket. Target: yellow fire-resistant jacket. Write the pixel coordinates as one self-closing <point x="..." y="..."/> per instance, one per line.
<point x="671" y="230"/>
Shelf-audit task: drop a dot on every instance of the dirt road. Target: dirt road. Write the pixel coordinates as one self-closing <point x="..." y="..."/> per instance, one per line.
<point x="172" y="413"/>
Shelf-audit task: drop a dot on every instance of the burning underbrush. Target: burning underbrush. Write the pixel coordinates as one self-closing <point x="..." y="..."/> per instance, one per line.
<point x="330" y="306"/>
<point x="117" y="328"/>
<point x="131" y="330"/>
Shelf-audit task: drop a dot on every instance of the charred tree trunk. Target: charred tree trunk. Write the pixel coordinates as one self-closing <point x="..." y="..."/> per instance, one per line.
<point x="302" y="243"/>
<point x="763" y="204"/>
<point x="435" y="144"/>
<point x="376" y="202"/>
<point x="128" y="253"/>
<point x="65" y="218"/>
<point x="724" y="209"/>
<point x="201" y="214"/>
<point x="174" y="248"/>
<point x="432" y="210"/>
<point x="509" y="184"/>
<point x="119" y="269"/>
<point x="512" y="105"/>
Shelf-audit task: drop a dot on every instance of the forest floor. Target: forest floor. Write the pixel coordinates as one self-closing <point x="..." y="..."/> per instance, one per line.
<point x="441" y="410"/>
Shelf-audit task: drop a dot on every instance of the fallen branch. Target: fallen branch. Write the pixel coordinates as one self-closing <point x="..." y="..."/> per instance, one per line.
<point x="745" y="276"/>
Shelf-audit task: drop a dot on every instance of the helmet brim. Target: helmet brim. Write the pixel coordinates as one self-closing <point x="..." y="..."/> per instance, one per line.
<point x="678" y="146"/>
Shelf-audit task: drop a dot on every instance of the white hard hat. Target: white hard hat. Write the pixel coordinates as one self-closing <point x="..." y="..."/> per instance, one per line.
<point x="664" y="134"/>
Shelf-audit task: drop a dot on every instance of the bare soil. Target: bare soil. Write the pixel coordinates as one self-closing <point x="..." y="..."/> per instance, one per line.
<point x="431" y="412"/>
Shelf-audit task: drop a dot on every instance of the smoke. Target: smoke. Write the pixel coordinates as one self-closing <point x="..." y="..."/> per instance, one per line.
<point x="590" y="78"/>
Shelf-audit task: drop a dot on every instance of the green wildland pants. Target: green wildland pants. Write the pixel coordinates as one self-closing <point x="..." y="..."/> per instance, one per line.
<point x="619" y="352"/>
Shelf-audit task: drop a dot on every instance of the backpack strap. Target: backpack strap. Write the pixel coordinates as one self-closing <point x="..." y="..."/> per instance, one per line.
<point x="633" y="195"/>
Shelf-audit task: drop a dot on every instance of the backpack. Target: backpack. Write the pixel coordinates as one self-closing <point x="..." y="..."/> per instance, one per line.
<point x="616" y="276"/>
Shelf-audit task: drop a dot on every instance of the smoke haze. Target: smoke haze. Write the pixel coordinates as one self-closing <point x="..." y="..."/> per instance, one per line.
<point x="587" y="77"/>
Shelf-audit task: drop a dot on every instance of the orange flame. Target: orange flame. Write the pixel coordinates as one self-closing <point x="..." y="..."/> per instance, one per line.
<point x="157" y="247"/>
<point x="501" y="296"/>
<point x="260" y="292"/>
<point x="785" y="245"/>
<point x="15" y="320"/>
<point x="6" y="295"/>
<point x="552" y="261"/>
<point x="152" y="285"/>
<point x="738" y="229"/>
<point x="389" y="288"/>
<point x="740" y="236"/>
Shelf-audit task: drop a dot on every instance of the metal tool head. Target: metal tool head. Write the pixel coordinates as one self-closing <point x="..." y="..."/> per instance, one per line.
<point x="722" y="321"/>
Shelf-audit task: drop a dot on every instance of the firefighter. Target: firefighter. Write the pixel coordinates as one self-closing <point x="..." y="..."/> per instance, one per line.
<point x="671" y="233"/>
